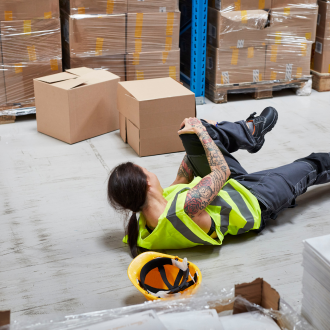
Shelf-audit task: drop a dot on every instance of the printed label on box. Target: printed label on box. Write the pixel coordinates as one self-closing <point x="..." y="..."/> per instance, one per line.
<point x="225" y="77"/>
<point x="210" y="63"/>
<point x="255" y="75"/>
<point x="288" y="71"/>
<point x="318" y="47"/>
<point x="212" y="31"/>
<point x="218" y="4"/>
<point x="240" y="43"/>
<point x="162" y="9"/>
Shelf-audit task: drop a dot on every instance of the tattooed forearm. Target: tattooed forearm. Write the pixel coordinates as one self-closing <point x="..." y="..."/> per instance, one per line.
<point x="208" y="188"/>
<point x="185" y="171"/>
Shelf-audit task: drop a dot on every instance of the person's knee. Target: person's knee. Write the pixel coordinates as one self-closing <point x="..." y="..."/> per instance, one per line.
<point x="320" y="161"/>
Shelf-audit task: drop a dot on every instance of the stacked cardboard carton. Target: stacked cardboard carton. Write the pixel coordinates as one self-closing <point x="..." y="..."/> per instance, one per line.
<point x="321" y="48"/>
<point x="133" y="39"/>
<point x="30" y="47"/>
<point x="316" y="282"/>
<point x="258" y="41"/>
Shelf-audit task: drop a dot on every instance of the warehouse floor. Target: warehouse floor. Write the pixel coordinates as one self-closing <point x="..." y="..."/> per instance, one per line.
<point x="60" y="243"/>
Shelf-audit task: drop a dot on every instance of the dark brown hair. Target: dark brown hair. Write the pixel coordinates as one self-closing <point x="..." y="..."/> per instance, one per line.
<point x="127" y="190"/>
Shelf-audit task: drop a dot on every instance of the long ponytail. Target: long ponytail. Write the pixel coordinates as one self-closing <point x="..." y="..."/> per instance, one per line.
<point x="127" y="191"/>
<point x="132" y="231"/>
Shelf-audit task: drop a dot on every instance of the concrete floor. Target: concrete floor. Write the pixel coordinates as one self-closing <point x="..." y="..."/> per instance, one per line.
<point x="60" y="243"/>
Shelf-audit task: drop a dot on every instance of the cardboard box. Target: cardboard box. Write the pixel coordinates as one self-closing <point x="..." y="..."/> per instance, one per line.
<point x="152" y="32"/>
<point x="77" y="105"/>
<point x="99" y="7"/>
<point x="31" y="40"/>
<point x="321" y="55"/>
<point x="288" y="61"/>
<point x="151" y="65"/>
<point x="232" y="5"/>
<point x="231" y="29"/>
<point x="236" y="65"/>
<point x="151" y="113"/>
<point x="19" y="79"/>
<point x="147" y="6"/>
<point x="289" y="3"/>
<point x="113" y="63"/>
<point x="323" y="20"/>
<point x="296" y="23"/>
<point x="12" y="10"/>
<point x="91" y="35"/>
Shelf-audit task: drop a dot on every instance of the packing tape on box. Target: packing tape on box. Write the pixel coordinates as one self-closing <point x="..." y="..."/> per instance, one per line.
<point x="244" y="16"/>
<point x="8" y="15"/>
<point x="139" y="75"/>
<point x="99" y="46"/>
<point x="329" y="68"/>
<point x="237" y="5"/>
<point x="138" y="45"/>
<point x="287" y="11"/>
<point x="164" y="57"/>
<point x="304" y="49"/>
<point x="168" y="44"/>
<point x="48" y="15"/>
<point x="110" y="6"/>
<point x="273" y="53"/>
<point x="273" y="75"/>
<point x="54" y="64"/>
<point x="172" y="72"/>
<point x="234" y="56"/>
<point x="261" y="4"/>
<point x="299" y="72"/>
<point x="260" y="76"/>
<point x="138" y="25"/>
<point x="250" y="52"/>
<point x="136" y="58"/>
<point x="32" y="53"/>
<point x="169" y="24"/>
<point x="308" y="35"/>
<point x="81" y="10"/>
<point x="18" y="68"/>
<point x="27" y="27"/>
<point x="278" y="37"/>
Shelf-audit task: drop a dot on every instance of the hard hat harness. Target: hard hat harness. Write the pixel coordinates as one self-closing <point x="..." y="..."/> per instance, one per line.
<point x="159" y="263"/>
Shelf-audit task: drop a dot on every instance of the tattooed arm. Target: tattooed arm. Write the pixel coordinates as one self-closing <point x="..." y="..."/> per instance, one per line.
<point x="199" y="197"/>
<point x="185" y="174"/>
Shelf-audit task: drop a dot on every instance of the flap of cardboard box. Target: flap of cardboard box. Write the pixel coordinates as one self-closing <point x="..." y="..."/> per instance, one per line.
<point x="152" y="89"/>
<point x="56" y="77"/>
<point x="71" y="83"/>
<point x="257" y="292"/>
<point x="98" y="76"/>
<point x="4" y="318"/>
<point x="80" y="71"/>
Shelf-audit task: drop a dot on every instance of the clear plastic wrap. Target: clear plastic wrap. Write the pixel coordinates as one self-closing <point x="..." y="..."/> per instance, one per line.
<point x="259" y="48"/>
<point x="222" y="302"/>
<point x="140" y="44"/>
<point x="30" y="48"/>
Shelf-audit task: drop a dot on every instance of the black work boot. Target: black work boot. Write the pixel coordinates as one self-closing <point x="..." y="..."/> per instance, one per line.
<point x="262" y="125"/>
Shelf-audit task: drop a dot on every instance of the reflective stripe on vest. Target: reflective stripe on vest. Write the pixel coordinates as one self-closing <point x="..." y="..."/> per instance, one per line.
<point x="180" y="226"/>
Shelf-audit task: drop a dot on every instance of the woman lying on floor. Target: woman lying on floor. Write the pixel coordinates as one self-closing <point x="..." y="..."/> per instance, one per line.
<point x="212" y="195"/>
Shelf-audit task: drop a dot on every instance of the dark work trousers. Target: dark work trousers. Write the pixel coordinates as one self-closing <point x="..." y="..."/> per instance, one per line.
<point x="275" y="189"/>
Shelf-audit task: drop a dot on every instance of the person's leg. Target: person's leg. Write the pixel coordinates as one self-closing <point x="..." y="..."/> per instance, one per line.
<point x="278" y="188"/>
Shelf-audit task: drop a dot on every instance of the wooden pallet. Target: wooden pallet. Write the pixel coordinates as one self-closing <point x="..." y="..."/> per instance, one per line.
<point x="257" y="90"/>
<point x="6" y="116"/>
<point x="320" y="81"/>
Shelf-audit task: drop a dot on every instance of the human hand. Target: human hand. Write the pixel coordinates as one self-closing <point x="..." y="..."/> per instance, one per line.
<point x="212" y="122"/>
<point x="190" y="126"/>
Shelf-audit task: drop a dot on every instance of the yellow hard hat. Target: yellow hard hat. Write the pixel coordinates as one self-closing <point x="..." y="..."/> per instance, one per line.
<point x="159" y="276"/>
